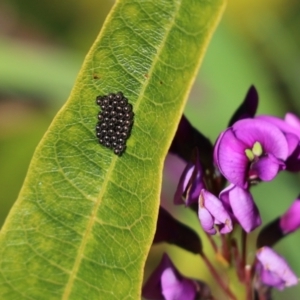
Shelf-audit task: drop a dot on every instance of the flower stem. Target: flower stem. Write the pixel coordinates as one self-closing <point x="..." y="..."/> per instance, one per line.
<point x="225" y="251"/>
<point x="237" y="260"/>
<point x="244" y="248"/>
<point x="217" y="277"/>
<point x="212" y="242"/>
<point x="248" y="278"/>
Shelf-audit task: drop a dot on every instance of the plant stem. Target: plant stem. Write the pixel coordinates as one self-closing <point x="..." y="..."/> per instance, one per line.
<point x="244" y="248"/>
<point x="237" y="260"/>
<point x="225" y="250"/>
<point x="217" y="277"/>
<point x="212" y="242"/>
<point x="248" y="278"/>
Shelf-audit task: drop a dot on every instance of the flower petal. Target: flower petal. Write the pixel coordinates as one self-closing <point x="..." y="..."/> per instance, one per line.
<point x="282" y="275"/>
<point x="294" y="121"/>
<point x="206" y="220"/>
<point x="293" y="161"/>
<point x="271" y="279"/>
<point x="268" y="135"/>
<point x="293" y="142"/>
<point x="183" y="183"/>
<point x="216" y="208"/>
<point x="290" y="124"/>
<point x="267" y="167"/>
<point x="243" y="207"/>
<point x="152" y="287"/>
<point x="281" y="124"/>
<point x="173" y="288"/>
<point x="290" y="221"/>
<point x="291" y="128"/>
<point x="166" y="283"/>
<point x="224" y="197"/>
<point x="231" y="159"/>
<point x="191" y="182"/>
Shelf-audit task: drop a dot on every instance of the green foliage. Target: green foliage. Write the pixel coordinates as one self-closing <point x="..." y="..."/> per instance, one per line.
<point x="85" y="218"/>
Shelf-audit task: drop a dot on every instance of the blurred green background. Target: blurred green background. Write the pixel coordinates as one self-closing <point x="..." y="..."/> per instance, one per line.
<point x="42" y="47"/>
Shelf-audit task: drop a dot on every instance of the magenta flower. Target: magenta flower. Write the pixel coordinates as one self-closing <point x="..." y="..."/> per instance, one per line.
<point x="273" y="270"/>
<point x="211" y="212"/>
<point x="191" y="183"/>
<point x="166" y="283"/>
<point x="290" y="126"/>
<point x="240" y="203"/>
<point x="290" y="221"/>
<point x="251" y="150"/>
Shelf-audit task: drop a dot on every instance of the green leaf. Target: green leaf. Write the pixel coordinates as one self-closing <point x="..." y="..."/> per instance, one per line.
<point x="85" y="218"/>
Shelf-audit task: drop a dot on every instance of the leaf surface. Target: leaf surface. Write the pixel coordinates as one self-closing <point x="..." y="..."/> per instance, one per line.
<point x="85" y="218"/>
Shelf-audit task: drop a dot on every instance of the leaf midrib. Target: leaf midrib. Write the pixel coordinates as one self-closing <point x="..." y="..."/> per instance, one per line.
<point x="90" y="225"/>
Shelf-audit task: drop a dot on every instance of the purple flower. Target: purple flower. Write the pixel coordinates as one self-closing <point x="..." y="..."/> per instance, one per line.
<point x="273" y="270"/>
<point x="290" y="126"/>
<point x="251" y="150"/>
<point x="166" y="283"/>
<point x="191" y="183"/>
<point x="211" y="211"/>
<point x="290" y="221"/>
<point x="240" y="203"/>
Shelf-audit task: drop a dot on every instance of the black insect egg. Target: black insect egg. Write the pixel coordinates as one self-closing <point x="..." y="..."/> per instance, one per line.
<point x="123" y="102"/>
<point x="114" y="121"/>
<point x="105" y="101"/>
<point x="119" y="96"/>
<point x="111" y="96"/>
<point x="99" y="100"/>
<point x="100" y="116"/>
<point x="127" y="108"/>
<point x="129" y="116"/>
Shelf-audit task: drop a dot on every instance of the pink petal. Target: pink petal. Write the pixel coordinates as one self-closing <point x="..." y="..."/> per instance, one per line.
<point x="216" y="208"/>
<point x="294" y="121"/>
<point x="267" y="167"/>
<point x="182" y="185"/>
<point x="277" y="265"/>
<point x="231" y="158"/>
<point x="272" y="279"/>
<point x="287" y="126"/>
<point x="290" y="221"/>
<point x="293" y="142"/>
<point x="173" y="288"/>
<point x="244" y="208"/>
<point x="268" y="135"/>
<point x="206" y="220"/>
<point x="166" y="283"/>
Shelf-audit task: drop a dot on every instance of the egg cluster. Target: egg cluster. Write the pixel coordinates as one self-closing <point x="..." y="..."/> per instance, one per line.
<point x="115" y="121"/>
